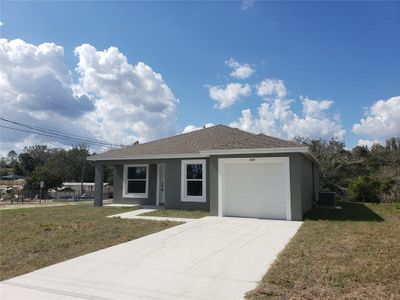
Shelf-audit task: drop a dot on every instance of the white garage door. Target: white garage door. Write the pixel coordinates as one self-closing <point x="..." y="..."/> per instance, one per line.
<point x="254" y="187"/>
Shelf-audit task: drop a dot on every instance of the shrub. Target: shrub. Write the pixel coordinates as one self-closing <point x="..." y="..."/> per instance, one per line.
<point x="387" y="184"/>
<point x="364" y="189"/>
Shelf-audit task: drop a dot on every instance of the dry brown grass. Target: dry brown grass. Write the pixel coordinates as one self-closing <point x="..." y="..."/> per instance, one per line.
<point x="37" y="237"/>
<point x="349" y="254"/>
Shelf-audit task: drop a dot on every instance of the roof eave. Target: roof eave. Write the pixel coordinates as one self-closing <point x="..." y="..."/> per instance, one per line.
<point x="301" y="149"/>
<point x="206" y="153"/>
<point x="150" y="156"/>
<point x="255" y="151"/>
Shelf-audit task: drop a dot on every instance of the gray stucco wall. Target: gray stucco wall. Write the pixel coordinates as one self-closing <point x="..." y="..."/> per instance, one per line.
<point x="316" y="174"/>
<point x="173" y="170"/>
<point x="172" y="185"/>
<point x="304" y="183"/>
<point x="118" y="179"/>
<point x="307" y="184"/>
<point x="301" y="182"/>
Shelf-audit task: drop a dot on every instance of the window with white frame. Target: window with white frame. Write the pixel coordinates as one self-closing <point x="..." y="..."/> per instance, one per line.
<point x="136" y="181"/>
<point x="193" y="183"/>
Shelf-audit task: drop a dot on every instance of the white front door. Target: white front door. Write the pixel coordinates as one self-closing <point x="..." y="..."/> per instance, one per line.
<point x="160" y="184"/>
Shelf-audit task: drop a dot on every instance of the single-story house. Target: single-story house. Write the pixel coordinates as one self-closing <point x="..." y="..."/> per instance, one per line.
<point x="224" y="170"/>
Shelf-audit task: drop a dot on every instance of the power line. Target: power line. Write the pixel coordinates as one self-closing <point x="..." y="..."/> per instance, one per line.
<point x="61" y="134"/>
<point x="49" y="135"/>
<point x="56" y="136"/>
<point x="56" y="132"/>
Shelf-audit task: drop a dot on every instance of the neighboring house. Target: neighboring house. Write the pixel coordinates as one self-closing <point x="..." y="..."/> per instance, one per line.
<point x="88" y="188"/>
<point x="224" y="170"/>
<point x="62" y="193"/>
<point x="11" y="187"/>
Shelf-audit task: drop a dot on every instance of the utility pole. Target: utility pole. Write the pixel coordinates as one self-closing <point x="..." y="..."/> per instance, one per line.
<point x="83" y="170"/>
<point x="40" y="193"/>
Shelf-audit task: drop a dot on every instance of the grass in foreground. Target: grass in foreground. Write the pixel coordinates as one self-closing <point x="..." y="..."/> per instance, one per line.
<point x="352" y="253"/>
<point x="177" y="213"/>
<point x="37" y="237"/>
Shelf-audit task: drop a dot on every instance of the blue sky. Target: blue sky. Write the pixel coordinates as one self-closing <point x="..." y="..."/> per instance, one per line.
<point x="345" y="52"/>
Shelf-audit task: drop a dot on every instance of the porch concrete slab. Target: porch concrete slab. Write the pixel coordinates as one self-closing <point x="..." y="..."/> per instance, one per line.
<point x="209" y="258"/>
<point x="133" y="213"/>
<point x="121" y="205"/>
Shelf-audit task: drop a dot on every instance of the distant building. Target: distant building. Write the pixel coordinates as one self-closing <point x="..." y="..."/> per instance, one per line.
<point x="88" y="188"/>
<point x="11" y="187"/>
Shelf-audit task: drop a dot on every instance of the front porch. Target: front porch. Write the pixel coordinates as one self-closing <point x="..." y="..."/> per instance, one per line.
<point x="154" y="182"/>
<point x="134" y="183"/>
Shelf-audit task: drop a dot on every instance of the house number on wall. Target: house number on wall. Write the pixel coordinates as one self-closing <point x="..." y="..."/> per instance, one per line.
<point x="252" y="159"/>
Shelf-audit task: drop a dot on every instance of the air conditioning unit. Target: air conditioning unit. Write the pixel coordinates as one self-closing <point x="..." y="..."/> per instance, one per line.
<point x="327" y="199"/>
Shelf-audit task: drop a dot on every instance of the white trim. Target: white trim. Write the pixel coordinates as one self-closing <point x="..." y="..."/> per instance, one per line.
<point x="158" y="184"/>
<point x="150" y="156"/>
<point x="125" y="180"/>
<point x="256" y="151"/>
<point x="207" y="153"/>
<point x="220" y="185"/>
<point x="221" y="166"/>
<point x="184" y="197"/>
<point x="288" y="190"/>
<point x="311" y="157"/>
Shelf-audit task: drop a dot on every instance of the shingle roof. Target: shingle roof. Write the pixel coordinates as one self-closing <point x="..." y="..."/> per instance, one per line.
<point x="259" y="141"/>
<point x="218" y="137"/>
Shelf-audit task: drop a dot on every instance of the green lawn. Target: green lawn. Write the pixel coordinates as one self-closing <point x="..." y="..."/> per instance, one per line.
<point x="32" y="238"/>
<point x="353" y="253"/>
<point x="178" y="213"/>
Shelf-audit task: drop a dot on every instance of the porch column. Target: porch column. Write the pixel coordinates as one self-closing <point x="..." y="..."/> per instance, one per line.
<point x="98" y="185"/>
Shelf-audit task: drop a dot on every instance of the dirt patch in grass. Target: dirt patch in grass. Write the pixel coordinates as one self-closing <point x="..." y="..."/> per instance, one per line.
<point x="177" y="213"/>
<point x="34" y="238"/>
<point x="353" y="253"/>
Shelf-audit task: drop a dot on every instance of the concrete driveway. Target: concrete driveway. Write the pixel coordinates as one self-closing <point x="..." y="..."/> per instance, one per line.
<point x="211" y="258"/>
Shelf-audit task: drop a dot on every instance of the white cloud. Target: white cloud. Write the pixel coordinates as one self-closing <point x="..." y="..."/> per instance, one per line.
<point x="271" y="88"/>
<point x="131" y="101"/>
<point x="314" y="107"/>
<point x="382" y="120"/>
<point x="246" y="4"/>
<point x="368" y="143"/>
<point x="1" y="23"/>
<point x="228" y="95"/>
<point x="35" y="86"/>
<point x="113" y="100"/>
<point x="240" y="71"/>
<point x="191" y="128"/>
<point x="36" y="80"/>
<point x="277" y="118"/>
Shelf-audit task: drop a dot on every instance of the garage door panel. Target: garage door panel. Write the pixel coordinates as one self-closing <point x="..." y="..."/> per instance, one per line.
<point x="255" y="189"/>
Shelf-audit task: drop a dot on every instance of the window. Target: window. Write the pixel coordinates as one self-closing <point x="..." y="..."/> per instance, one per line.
<point x="136" y="179"/>
<point x="193" y="181"/>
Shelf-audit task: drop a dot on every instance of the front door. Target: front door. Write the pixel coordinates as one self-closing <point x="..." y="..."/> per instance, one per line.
<point x="160" y="184"/>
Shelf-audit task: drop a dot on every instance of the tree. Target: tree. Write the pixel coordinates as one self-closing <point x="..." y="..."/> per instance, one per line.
<point x="386" y="185"/>
<point x="12" y="158"/>
<point x="33" y="157"/>
<point x="26" y="164"/>
<point x="393" y="166"/>
<point x="51" y="177"/>
<point x="55" y="166"/>
<point x="336" y="163"/>
<point x="364" y="189"/>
